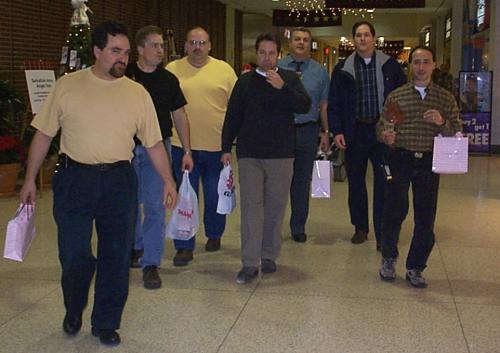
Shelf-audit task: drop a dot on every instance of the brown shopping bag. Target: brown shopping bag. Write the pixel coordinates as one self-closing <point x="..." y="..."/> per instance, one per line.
<point x="20" y="233"/>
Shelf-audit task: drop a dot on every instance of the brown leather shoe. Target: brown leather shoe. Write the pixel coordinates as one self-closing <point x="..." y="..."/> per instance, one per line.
<point x="151" y="277"/>
<point x="135" y="258"/>
<point x="182" y="257"/>
<point x="360" y="236"/>
<point x="212" y="245"/>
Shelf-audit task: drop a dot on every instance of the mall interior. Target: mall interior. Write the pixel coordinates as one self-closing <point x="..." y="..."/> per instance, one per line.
<point x="326" y="295"/>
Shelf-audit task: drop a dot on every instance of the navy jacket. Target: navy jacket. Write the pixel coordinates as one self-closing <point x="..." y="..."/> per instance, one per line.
<point x="342" y="98"/>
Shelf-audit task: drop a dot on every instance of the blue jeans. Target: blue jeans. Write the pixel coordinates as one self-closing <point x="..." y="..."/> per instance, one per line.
<point x="363" y="147"/>
<point x="406" y="169"/>
<point x="82" y="196"/>
<point x="306" y="147"/>
<point x="207" y="166"/>
<point x="150" y="224"/>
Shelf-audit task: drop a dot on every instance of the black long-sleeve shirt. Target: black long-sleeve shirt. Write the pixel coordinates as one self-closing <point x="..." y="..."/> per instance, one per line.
<point x="261" y="116"/>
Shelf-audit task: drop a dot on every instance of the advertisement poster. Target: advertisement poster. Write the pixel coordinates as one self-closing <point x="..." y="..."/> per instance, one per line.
<point x="477" y="128"/>
<point x="475" y="91"/>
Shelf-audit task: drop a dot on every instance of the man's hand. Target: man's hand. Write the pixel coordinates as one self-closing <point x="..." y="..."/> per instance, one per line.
<point x="340" y="141"/>
<point x="324" y="141"/>
<point x="187" y="162"/>
<point x="274" y="79"/>
<point x="169" y="195"/>
<point x="226" y="158"/>
<point x="434" y="116"/>
<point x="389" y="137"/>
<point x="27" y="195"/>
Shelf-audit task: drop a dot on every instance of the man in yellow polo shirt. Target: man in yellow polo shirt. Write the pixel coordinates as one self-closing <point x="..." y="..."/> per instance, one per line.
<point x="207" y="84"/>
<point x="99" y="112"/>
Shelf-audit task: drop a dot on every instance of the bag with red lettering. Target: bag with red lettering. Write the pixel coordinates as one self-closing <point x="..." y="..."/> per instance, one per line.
<point x="184" y="223"/>
<point x="226" y="190"/>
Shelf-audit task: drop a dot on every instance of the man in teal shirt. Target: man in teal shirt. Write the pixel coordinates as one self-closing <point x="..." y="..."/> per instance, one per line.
<point x="316" y="82"/>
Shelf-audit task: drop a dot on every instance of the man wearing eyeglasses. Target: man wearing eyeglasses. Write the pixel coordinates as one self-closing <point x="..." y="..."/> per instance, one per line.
<point x="207" y="84"/>
<point x="168" y="99"/>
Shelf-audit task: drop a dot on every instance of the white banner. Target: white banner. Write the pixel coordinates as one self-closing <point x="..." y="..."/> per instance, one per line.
<point x="40" y="83"/>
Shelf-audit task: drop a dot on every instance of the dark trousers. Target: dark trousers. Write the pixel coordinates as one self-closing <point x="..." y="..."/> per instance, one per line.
<point x="306" y="147"/>
<point x="362" y="148"/>
<point x="81" y="196"/>
<point x="406" y="168"/>
<point x="207" y="167"/>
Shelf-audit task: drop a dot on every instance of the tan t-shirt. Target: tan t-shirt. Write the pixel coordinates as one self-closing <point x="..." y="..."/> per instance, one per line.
<point x="207" y="91"/>
<point x="98" y="118"/>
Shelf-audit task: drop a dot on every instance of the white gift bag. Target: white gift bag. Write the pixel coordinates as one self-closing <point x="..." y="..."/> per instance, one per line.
<point x="184" y="221"/>
<point x="321" y="178"/>
<point x="20" y="233"/>
<point x="450" y="155"/>
<point x="226" y="190"/>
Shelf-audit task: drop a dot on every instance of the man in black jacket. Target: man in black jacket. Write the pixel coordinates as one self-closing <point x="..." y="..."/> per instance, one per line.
<point x="358" y="88"/>
<point x="260" y="115"/>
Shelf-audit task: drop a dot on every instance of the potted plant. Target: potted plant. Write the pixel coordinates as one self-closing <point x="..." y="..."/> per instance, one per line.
<point x="13" y="112"/>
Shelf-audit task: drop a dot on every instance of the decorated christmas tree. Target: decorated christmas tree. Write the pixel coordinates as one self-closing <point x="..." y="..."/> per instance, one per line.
<point x="76" y="53"/>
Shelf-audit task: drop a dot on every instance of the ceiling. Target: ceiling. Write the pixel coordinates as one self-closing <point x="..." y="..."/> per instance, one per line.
<point x="393" y="24"/>
<point x="266" y="6"/>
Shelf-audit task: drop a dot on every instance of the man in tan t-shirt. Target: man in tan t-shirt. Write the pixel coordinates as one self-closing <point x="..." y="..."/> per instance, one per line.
<point x="98" y="111"/>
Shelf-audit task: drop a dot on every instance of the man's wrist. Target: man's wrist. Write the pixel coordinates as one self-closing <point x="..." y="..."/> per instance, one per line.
<point x="187" y="152"/>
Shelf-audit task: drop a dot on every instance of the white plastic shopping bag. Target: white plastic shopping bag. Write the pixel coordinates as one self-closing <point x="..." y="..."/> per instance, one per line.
<point x="321" y="177"/>
<point x="226" y="190"/>
<point x="20" y="233"/>
<point x="450" y="155"/>
<point x="184" y="222"/>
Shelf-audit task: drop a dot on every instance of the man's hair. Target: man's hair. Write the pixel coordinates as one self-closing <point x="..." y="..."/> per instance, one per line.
<point x="271" y="37"/>
<point x="300" y="29"/>
<point x="197" y="29"/>
<point x="361" y="23"/>
<point x="144" y="32"/>
<point x="422" y="48"/>
<point x="100" y="33"/>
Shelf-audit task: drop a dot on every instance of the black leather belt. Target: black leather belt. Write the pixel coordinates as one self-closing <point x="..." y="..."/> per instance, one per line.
<point x="309" y="123"/>
<point x="367" y="120"/>
<point x="66" y="161"/>
<point x="414" y="154"/>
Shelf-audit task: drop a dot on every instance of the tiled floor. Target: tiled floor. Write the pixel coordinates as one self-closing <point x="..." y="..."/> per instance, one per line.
<point x="325" y="297"/>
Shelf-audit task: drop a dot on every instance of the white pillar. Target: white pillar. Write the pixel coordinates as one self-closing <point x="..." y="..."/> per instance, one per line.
<point x="456" y="36"/>
<point x="494" y="65"/>
<point x="230" y="31"/>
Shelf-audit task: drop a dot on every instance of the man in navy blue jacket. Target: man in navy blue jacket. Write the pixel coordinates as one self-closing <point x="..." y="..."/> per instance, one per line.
<point x="358" y="89"/>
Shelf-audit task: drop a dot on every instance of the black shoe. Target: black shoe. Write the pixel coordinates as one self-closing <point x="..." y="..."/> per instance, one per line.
<point x="151" y="277"/>
<point x="360" y="236"/>
<point x="72" y="324"/>
<point x="267" y="266"/>
<point x="183" y="257"/>
<point x="247" y="275"/>
<point x="107" y="337"/>
<point x="136" y="257"/>
<point x="300" y="238"/>
<point x="212" y="245"/>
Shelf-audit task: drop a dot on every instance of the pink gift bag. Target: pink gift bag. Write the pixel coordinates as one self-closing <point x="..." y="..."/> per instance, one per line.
<point x="20" y="233"/>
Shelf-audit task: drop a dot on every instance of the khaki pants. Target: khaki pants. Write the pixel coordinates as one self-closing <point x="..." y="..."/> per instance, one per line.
<point x="264" y="185"/>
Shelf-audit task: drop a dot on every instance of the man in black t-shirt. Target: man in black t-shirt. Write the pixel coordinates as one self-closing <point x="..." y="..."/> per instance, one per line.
<point x="169" y="103"/>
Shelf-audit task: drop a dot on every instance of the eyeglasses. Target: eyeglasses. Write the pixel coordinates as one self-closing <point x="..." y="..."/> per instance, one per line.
<point x="156" y="45"/>
<point x="201" y="43"/>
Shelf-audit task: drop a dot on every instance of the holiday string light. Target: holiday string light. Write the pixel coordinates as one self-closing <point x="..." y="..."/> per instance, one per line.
<point x="298" y="7"/>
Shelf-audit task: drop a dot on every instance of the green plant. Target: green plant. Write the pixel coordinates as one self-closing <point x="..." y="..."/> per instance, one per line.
<point x="13" y="112"/>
